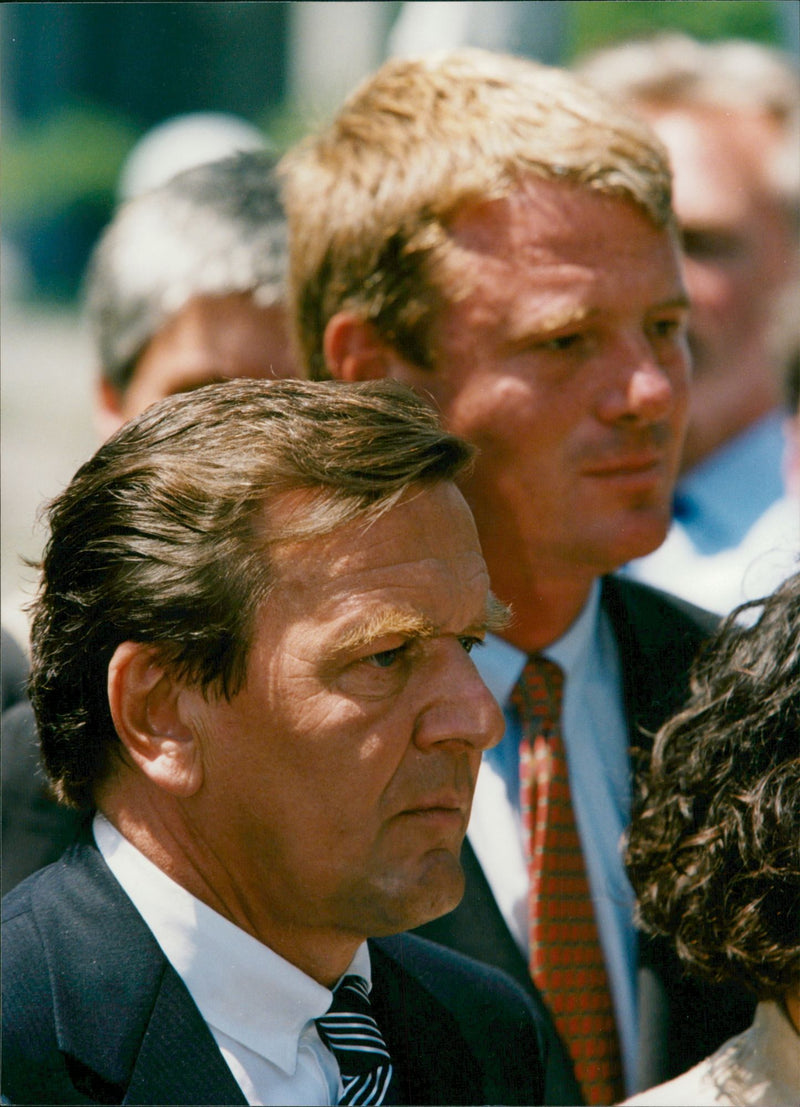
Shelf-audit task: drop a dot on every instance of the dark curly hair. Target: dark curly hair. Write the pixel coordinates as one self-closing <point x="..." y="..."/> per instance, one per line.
<point x="714" y="845"/>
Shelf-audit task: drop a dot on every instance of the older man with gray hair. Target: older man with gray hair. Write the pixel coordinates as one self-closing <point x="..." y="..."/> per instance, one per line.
<point x="251" y="656"/>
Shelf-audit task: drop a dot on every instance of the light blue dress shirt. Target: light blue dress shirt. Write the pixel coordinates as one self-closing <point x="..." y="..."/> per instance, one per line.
<point x="719" y="500"/>
<point x="730" y="539"/>
<point x="596" y="741"/>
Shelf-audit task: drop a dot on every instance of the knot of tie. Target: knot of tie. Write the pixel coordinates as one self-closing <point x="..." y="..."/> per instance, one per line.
<point x="538" y="695"/>
<point x="350" y="1032"/>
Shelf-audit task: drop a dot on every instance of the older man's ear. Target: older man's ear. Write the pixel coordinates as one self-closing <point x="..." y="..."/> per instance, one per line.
<point x="147" y="709"/>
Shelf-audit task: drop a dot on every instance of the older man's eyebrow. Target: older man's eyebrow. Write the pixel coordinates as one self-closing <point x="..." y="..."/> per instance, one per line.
<point x="390" y="621"/>
<point x="498" y="615"/>
<point x="385" y="623"/>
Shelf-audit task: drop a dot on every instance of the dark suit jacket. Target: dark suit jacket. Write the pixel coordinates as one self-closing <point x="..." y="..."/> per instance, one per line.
<point x="93" y="1012"/>
<point x="13" y="670"/>
<point x="681" y="1022"/>
<point x="36" y="829"/>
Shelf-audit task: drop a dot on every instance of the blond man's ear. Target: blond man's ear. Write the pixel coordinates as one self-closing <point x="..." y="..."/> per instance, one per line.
<point x="354" y="351"/>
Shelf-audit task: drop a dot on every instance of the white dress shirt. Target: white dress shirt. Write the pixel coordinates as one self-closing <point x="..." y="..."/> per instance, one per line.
<point x="759" y="1068"/>
<point x="596" y="741"/>
<point x="259" y="1007"/>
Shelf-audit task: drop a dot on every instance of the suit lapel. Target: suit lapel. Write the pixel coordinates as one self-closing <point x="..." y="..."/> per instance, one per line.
<point x="432" y="1063"/>
<point x="179" y="1061"/>
<point x="658" y="637"/>
<point x="124" y="1019"/>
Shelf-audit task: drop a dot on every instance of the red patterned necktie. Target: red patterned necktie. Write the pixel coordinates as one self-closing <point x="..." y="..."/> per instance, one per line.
<point x="566" y="958"/>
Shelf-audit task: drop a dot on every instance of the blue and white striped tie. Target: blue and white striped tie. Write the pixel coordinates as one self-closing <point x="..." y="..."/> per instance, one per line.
<point x="352" y="1035"/>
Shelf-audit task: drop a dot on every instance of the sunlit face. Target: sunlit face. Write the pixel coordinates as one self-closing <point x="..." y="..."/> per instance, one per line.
<point x="740" y="252"/>
<point x="337" y="785"/>
<point x="213" y="338"/>
<point x="565" y="362"/>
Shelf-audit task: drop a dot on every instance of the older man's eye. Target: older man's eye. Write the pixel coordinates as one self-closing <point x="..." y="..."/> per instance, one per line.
<point x="469" y="642"/>
<point x="386" y="658"/>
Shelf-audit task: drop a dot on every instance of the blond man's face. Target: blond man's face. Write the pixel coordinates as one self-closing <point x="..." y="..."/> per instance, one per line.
<point x="565" y="362"/>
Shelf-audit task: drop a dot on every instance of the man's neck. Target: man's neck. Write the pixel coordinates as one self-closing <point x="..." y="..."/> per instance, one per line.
<point x="543" y="608"/>
<point x="323" y="953"/>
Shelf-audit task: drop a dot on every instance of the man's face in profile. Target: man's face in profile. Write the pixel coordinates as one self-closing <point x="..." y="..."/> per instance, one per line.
<point x="564" y="360"/>
<point x="740" y="252"/>
<point x="338" y="782"/>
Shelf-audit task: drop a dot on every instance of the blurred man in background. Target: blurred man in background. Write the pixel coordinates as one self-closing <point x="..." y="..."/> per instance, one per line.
<point x="187" y="286"/>
<point x="729" y="115"/>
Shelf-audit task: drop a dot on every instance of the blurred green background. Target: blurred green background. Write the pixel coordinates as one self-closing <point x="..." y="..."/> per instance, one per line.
<point x="82" y="82"/>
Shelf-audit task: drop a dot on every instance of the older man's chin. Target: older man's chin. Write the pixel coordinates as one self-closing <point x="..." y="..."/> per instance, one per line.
<point x="437" y="889"/>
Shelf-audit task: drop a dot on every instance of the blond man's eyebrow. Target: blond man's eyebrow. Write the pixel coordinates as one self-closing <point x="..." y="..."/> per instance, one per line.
<point x="682" y="303"/>
<point x="538" y="325"/>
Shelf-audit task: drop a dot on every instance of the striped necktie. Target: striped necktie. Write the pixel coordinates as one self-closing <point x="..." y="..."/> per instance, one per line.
<point x="566" y="959"/>
<point x="352" y="1035"/>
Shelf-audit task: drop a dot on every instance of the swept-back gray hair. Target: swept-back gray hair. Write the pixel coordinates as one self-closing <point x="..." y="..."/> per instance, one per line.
<point x="732" y="75"/>
<point x="212" y="230"/>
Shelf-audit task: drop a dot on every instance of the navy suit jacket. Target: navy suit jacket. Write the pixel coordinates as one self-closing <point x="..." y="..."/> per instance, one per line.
<point x="94" y="1013"/>
<point x="680" y="1021"/>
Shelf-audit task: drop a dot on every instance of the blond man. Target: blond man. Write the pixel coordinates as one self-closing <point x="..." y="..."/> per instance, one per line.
<point x="495" y="235"/>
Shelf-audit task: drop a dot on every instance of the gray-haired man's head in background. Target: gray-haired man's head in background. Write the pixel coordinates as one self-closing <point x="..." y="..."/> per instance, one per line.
<point x="187" y="286"/>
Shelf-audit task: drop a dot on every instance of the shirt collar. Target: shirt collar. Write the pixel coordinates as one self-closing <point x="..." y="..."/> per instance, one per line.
<point x="241" y="987"/>
<point x="500" y="664"/>
<point x="720" y="495"/>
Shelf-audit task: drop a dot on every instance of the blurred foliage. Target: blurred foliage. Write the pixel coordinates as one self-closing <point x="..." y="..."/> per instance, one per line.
<point x="73" y="154"/>
<point x="597" y="23"/>
<point x="287" y="124"/>
<point x="59" y="174"/>
<point x="76" y="152"/>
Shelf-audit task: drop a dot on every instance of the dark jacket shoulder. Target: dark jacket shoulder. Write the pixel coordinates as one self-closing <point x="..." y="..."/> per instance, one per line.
<point x="92" y="1010"/>
<point x="36" y="829"/>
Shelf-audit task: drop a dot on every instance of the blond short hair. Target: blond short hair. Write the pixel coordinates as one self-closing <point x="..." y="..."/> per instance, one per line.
<point x="369" y="198"/>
